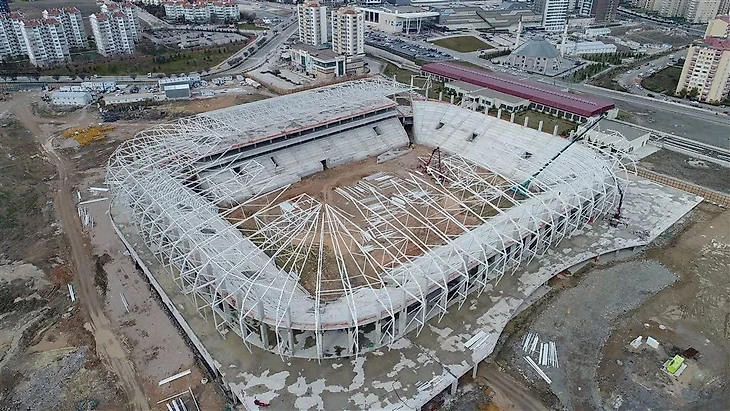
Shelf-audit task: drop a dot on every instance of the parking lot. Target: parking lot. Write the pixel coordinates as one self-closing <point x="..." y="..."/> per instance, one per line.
<point x="190" y="39"/>
<point x="402" y="47"/>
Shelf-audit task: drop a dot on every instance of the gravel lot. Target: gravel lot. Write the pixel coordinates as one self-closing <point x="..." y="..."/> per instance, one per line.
<point x="580" y="321"/>
<point x="686" y="168"/>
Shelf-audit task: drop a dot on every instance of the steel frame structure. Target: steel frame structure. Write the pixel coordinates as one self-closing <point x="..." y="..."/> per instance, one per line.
<point x="418" y="243"/>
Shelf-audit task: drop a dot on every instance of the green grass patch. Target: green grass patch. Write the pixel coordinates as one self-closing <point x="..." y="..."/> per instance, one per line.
<point x="468" y="64"/>
<point x="184" y="61"/>
<point x="549" y="122"/>
<point x="664" y="81"/>
<point x="463" y="44"/>
<point x="404" y="76"/>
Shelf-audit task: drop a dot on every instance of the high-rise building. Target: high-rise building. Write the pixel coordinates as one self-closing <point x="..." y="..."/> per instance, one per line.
<point x="554" y="13"/>
<point x="73" y="25"/>
<point x="706" y="70"/>
<point x="130" y="12"/>
<point x="45" y="42"/>
<point x="673" y="8"/>
<point x="604" y="10"/>
<point x="312" y="23"/>
<point x="701" y="11"/>
<point x="202" y="10"/>
<point x="4" y="6"/>
<point x="718" y="27"/>
<point x="724" y="8"/>
<point x="12" y="44"/>
<point x="112" y="33"/>
<point x="348" y="31"/>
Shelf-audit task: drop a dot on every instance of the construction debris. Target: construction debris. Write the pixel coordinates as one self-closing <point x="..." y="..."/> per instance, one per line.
<point x="637" y="342"/>
<point x="652" y="343"/>
<point x="71" y="292"/>
<point x="174" y="377"/>
<point x="538" y="370"/>
<point x="547" y="355"/>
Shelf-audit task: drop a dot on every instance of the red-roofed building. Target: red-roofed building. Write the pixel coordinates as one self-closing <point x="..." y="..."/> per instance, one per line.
<point x="544" y="98"/>
<point x="73" y="25"/>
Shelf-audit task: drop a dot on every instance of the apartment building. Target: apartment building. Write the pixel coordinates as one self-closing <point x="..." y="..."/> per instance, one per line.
<point x="707" y="66"/>
<point x="724" y="8"/>
<point x="45" y="42"/>
<point x="130" y="14"/>
<point x="12" y="44"/>
<point x="73" y="25"/>
<point x="112" y="33"/>
<point x="554" y="13"/>
<point x="312" y="23"/>
<point x="348" y="31"/>
<point x="202" y="11"/>
<point x="694" y="11"/>
<point x="701" y="11"/>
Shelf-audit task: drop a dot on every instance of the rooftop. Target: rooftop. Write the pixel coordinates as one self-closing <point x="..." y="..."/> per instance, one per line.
<point x="539" y="93"/>
<point x="70" y="94"/>
<point x="321" y="53"/>
<point x="630" y="133"/>
<point x="537" y="47"/>
<point x="475" y="90"/>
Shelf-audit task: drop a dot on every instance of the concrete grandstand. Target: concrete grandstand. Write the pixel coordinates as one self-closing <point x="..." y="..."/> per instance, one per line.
<point x="311" y="225"/>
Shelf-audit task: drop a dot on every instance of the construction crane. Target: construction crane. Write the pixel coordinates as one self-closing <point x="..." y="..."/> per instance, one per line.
<point x="524" y="188"/>
<point x="434" y="161"/>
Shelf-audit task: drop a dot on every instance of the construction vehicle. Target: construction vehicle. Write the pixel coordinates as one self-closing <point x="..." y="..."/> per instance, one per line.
<point x="85" y="136"/>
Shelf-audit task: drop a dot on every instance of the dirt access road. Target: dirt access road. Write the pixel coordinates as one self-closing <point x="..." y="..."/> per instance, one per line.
<point x="108" y="346"/>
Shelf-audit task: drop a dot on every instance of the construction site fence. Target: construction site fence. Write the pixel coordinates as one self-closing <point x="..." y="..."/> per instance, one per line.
<point x="711" y="196"/>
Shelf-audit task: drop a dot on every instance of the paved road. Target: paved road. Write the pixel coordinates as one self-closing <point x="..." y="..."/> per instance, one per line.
<point x="108" y="347"/>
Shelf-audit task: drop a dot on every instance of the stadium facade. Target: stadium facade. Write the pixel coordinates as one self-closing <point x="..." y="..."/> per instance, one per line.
<point x="313" y="225"/>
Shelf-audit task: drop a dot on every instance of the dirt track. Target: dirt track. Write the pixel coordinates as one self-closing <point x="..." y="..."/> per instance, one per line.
<point x="108" y="346"/>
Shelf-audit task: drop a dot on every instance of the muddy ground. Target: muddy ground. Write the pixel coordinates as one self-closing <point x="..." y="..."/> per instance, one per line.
<point x="687" y="168"/>
<point x="47" y="357"/>
<point x="53" y="353"/>
<point x="676" y="292"/>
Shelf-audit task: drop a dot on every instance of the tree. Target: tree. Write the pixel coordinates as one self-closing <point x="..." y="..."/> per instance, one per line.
<point x="693" y="93"/>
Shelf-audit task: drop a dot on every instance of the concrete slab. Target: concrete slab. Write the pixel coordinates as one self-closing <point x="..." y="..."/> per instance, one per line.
<point x="414" y="369"/>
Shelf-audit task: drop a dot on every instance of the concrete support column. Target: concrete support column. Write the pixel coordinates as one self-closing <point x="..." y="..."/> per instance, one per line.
<point x="378" y="331"/>
<point x="350" y="340"/>
<point x="486" y="110"/>
<point x="499" y="113"/>
<point x="555" y="130"/>
<point x="539" y="126"/>
<point x="263" y="326"/>
<point x="454" y="386"/>
<point x="474" y="371"/>
<point x="452" y="99"/>
<point x="290" y="333"/>
<point x="524" y="123"/>
<point x="512" y="118"/>
<point x="441" y="95"/>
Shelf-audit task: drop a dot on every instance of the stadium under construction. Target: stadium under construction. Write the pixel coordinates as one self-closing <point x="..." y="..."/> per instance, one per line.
<point x="316" y="226"/>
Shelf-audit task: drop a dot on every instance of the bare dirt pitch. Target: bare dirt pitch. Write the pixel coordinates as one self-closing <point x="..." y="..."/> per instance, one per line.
<point x="676" y="292"/>
<point x="366" y="182"/>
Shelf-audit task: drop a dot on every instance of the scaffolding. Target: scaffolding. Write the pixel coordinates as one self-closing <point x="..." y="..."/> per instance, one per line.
<point x="303" y="277"/>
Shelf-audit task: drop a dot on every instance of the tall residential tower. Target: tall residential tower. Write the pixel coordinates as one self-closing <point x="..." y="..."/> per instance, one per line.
<point x="312" y="23"/>
<point x="348" y="31"/>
